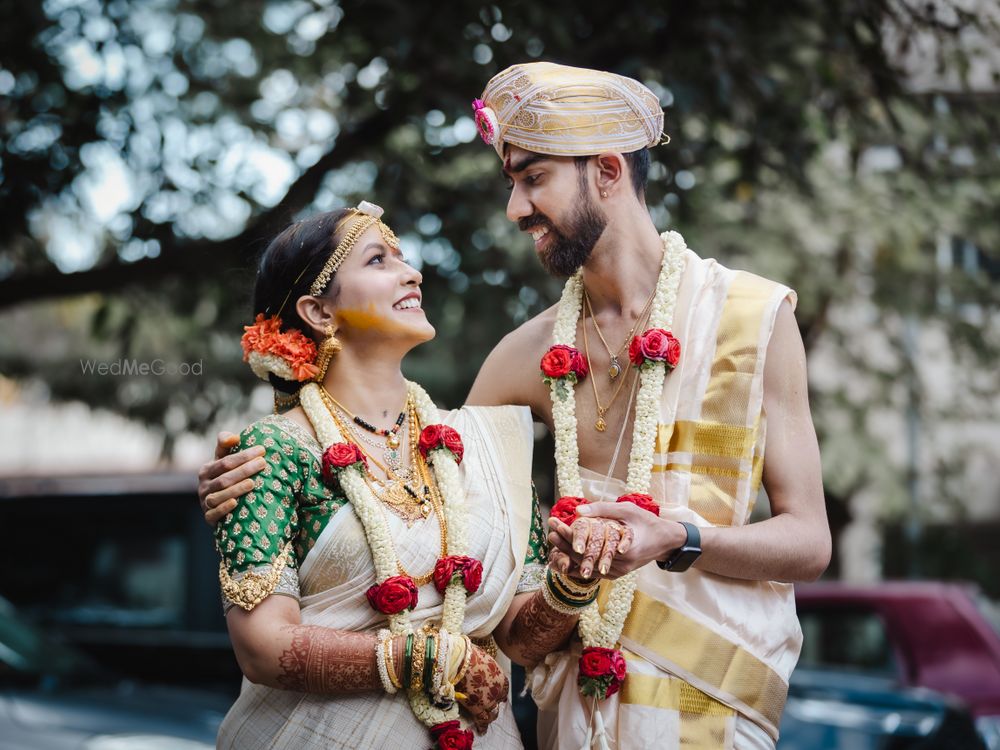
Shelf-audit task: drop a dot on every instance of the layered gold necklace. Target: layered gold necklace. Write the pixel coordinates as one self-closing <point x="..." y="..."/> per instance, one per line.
<point x="405" y="492"/>
<point x="601" y="424"/>
<point x="615" y="368"/>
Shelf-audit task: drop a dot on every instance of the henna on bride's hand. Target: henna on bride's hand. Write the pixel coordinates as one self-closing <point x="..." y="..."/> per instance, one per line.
<point x="538" y="629"/>
<point x="598" y="539"/>
<point x="485" y="687"/>
<point x="321" y="660"/>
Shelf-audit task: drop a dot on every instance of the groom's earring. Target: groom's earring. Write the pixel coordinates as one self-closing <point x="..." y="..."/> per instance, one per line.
<point x="604" y="193"/>
<point x="327" y="348"/>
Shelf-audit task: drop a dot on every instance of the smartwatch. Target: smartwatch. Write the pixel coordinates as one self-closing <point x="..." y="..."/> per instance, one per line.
<point x="681" y="558"/>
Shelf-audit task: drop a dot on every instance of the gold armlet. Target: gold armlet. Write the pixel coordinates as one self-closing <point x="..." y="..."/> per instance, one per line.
<point x="252" y="588"/>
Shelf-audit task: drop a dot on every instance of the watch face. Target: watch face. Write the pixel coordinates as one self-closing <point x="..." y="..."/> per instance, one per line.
<point x="684" y="557"/>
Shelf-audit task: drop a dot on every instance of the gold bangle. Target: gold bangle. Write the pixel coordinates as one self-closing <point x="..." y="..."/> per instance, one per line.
<point x="574" y="588"/>
<point x="488" y="645"/>
<point x="417" y="668"/>
<point x="390" y="663"/>
<point x="466" y="661"/>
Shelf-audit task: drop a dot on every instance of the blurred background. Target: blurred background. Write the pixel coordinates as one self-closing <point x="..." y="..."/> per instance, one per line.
<point x="150" y="149"/>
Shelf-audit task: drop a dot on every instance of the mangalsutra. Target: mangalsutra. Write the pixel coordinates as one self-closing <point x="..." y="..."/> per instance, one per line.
<point x="390" y="450"/>
<point x="398" y="493"/>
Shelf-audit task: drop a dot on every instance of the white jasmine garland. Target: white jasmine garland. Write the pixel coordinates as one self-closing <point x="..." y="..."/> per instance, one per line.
<point x="264" y="364"/>
<point x="366" y="507"/>
<point x="564" y="402"/>
<point x="597" y="629"/>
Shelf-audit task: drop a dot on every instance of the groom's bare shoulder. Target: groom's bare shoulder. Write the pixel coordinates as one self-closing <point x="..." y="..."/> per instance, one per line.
<point x="510" y="373"/>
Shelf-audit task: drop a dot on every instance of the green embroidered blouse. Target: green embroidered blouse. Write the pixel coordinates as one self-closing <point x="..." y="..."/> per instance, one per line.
<point x="265" y="538"/>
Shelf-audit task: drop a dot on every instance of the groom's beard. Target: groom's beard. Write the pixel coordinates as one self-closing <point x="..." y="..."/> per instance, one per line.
<point x="569" y="249"/>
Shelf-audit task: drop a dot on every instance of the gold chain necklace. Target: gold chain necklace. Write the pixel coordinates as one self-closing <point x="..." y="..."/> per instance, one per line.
<point x="600" y="425"/>
<point x="390" y="450"/>
<point x="396" y="493"/>
<point x="615" y="368"/>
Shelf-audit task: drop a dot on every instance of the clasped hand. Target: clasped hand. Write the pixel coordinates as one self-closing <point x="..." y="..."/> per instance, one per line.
<point x="611" y="539"/>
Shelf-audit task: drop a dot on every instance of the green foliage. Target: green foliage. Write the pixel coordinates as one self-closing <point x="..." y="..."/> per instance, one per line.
<point x="834" y="146"/>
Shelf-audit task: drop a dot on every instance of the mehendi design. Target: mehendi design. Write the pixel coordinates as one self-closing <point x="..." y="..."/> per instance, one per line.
<point x="538" y="629"/>
<point x="485" y="687"/>
<point x="323" y="660"/>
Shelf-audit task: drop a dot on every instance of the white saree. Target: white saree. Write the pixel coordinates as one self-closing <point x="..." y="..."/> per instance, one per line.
<point x="336" y="572"/>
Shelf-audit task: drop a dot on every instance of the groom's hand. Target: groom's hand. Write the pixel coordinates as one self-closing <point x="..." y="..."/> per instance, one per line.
<point x="228" y="477"/>
<point x="651" y="538"/>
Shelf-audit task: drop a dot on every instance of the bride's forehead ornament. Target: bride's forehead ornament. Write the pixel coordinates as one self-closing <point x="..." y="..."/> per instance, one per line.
<point x="365" y="215"/>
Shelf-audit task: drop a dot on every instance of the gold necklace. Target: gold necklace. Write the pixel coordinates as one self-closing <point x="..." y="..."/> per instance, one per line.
<point x="409" y="503"/>
<point x="600" y="425"/>
<point x="390" y="451"/>
<point x="615" y="369"/>
<point x="434" y="495"/>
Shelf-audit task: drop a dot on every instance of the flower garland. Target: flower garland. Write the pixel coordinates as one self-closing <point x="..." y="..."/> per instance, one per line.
<point x="393" y="594"/>
<point x="652" y="352"/>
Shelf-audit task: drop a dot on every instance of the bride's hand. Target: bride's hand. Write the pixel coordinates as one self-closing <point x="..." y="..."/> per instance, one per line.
<point x="588" y="544"/>
<point x="485" y="687"/>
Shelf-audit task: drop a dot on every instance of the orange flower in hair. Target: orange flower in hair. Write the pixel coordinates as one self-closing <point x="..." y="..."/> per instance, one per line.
<point x="292" y="351"/>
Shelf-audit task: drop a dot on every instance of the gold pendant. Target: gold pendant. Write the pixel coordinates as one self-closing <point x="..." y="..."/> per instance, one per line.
<point x="600" y="425"/>
<point x="392" y="441"/>
<point x="616" y="368"/>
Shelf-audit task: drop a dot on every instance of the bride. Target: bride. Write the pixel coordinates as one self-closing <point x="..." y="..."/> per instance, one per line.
<point x="383" y="542"/>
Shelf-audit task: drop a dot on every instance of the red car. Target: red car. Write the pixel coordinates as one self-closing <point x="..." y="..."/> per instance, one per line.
<point x="941" y="636"/>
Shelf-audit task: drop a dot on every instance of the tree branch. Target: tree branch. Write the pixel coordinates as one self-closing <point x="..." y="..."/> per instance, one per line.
<point x="176" y="259"/>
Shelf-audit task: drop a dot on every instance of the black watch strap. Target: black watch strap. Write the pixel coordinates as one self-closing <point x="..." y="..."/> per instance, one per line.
<point x="681" y="558"/>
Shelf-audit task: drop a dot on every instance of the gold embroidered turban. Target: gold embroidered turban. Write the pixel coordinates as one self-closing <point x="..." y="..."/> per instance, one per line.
<point x="556" y="109"/>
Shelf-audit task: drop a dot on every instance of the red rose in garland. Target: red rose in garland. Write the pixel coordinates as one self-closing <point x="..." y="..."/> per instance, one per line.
<point x="453" y="442"/>
<point x="393" y="595"/>
<point x="449" y="735"/>
<point x="565" y="509"/>
<point x="472" y="575"/>
<point x="655" y="345"/>
<point x="469" y="568"/>
<point x="435" y="436"/>
<point x="644" y="501"/>
<point x="618" y="665"/>
<point x="340" y="456"/>
<point x="635" y="351"/>
<point x="595" y="662"/>
<point x="557" y="362"/>
<point x="563" y="364"/>
<point x="444" y="571"/>
<point x="602" y="671"/>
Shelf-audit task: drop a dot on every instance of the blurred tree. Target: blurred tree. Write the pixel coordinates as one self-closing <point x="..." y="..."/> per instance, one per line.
<point x="148" y="150"/>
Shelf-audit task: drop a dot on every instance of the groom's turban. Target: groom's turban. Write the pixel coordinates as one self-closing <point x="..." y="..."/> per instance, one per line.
<point x="564" y="111"/>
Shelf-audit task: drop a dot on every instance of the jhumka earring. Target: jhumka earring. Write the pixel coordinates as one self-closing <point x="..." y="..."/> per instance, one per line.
<point x="327" y="348"/>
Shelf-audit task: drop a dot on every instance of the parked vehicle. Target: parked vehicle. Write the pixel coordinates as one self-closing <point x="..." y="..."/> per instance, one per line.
<point x="52" y="697"/>
<point x="936" y="636"/>
<point x="830" y="710"/>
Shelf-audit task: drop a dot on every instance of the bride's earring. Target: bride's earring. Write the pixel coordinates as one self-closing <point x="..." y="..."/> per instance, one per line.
<point x="327" y="348"/>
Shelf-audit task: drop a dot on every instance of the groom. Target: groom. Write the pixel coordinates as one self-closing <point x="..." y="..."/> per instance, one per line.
<point x="711" y="636"/>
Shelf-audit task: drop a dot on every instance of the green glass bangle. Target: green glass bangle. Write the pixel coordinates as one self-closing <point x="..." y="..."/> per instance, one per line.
<point x="408" y="660"/>
<point x="429" y="660"/>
